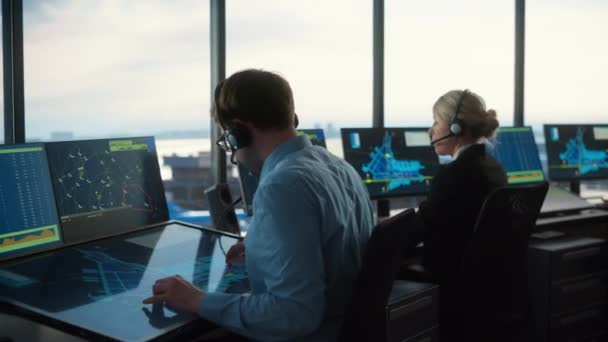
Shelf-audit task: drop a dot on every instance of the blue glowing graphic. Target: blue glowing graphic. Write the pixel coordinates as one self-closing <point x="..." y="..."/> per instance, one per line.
<point x="383" y="167"/>
<point x="577" y="154"/>
<point x="116" y="276"/>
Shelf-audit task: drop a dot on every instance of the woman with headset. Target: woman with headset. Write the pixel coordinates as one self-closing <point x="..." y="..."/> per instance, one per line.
<point x="461" y="129"/>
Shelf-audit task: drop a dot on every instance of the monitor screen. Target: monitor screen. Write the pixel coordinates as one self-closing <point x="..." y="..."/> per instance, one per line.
<point x="249" y="184"/>
<point x="28" y="215"/>
<point x="106" y="186"/>
<point x="391" y="161"/>
<point x="577" y="151"/>
<point x="99" y="286"/>
<point x="249" y="179"/>
<point x="316" y="135"/>
<point x="516" y="149"/>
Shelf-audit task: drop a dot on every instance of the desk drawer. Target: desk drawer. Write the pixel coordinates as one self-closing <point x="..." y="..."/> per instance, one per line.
<point x="431" y="335"/>
<point x="577" y="262"/>
<point x="580" y="325"/>
<point x="571" y="295"/>
<point x="412" y="310"/>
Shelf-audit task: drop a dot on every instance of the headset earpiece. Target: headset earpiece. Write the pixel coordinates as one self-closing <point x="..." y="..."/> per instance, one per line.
<point x="457" y="125"/>
<point x="238" y="137"/>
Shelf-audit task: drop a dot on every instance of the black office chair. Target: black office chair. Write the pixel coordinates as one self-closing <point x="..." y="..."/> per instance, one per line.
<point x="490" y="297"/>
<point x="365" y="318"/>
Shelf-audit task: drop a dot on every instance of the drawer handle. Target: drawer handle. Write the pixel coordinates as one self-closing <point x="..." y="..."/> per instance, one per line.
<point x="426" y="339"/>
<point x="582" y="253"/>
<point x="580" y="316"/>
<point x="415" y="306"/>
<point x="593" y="283"/>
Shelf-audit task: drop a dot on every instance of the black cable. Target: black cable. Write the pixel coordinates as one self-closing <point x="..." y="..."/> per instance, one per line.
<point x="231" y="206"/>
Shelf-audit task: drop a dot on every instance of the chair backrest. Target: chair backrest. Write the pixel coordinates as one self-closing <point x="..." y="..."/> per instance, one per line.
<point x="494" y="273"/>
<point x="365" y="316"/>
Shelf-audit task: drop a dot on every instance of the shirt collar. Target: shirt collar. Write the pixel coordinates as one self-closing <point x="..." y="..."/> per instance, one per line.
<point x="482" y="140"/>
<point x="282" y="151"/>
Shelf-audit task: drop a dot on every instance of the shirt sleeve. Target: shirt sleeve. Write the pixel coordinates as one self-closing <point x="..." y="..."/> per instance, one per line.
<point x="285" y="246"/>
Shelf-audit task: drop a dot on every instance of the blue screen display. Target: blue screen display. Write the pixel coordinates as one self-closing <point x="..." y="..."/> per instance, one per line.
<point x="577" y="151"/>
<point x="316" y="135"/>
<point x="517" y="151"/>
<point x="28" y="216"/>
<point x="99" y="286"/>
<point x="391" y="161"/>
<point x="106" y="186"/>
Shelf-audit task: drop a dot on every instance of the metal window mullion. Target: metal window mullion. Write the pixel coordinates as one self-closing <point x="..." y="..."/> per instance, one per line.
<point x="378" y="64"/>
<point x="520" y="30"/>
<point x="12" y="44"/>
<point x="218" y="74"/>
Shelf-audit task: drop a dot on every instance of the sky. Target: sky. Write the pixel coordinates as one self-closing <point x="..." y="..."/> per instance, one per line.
<point x="135" y="67"/>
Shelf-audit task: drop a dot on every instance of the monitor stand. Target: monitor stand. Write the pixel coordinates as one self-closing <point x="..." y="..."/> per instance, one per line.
<point x="384" y="208"/>
<point x="575" y="187"/>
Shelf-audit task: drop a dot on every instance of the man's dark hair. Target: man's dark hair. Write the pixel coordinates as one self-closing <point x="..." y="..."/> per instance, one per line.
<point x="261" y="97"/>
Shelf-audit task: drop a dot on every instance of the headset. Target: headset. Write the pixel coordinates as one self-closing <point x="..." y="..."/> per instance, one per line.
<point x="237" y="135"/>
<point x="456" y="125"/>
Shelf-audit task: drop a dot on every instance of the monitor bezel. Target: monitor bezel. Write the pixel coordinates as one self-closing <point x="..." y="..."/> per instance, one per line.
<point x="110" y="232"/>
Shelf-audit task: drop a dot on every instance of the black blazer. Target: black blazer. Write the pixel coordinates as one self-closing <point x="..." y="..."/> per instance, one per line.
<point x="451" y="208"/>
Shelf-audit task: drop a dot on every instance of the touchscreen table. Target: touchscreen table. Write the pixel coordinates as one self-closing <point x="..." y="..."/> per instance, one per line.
<point x="99" y="286"/>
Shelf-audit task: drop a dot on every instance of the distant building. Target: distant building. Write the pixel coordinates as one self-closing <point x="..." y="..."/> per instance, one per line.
<point x="62" y="135"/>
<point x="191" y="176"/>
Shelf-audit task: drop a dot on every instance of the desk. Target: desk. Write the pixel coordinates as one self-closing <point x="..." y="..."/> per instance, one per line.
<point x="590" y="222"/>
<point x="95" y="290"/>
<point x="20" y="329"/>
<point x="26" y="328"/>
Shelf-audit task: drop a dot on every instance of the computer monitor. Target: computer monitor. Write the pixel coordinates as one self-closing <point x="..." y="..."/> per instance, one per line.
<point x="106" y="186"/>
<point x="577" y="152"/>
<point x="391" y="161"/>
<point x="28" y="215"/>
<point x="249" y="179"/>
<point x="516" y="149"/>
<point x="316" y="135"/>
<point x="249" y="184"/>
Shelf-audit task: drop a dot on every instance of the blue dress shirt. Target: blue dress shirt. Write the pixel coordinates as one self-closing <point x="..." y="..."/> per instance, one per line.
<point x="312" y="219"/>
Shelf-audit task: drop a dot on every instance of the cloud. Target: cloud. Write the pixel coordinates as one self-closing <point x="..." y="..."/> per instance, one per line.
<point x="97" y="67"/>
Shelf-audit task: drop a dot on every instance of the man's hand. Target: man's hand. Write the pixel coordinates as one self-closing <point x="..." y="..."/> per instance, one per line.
<point x="176" y="292"/>
<point x="236" y="253"/>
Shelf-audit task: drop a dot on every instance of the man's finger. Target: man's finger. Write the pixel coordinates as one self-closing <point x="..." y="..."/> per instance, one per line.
<point x="159" y="288"/>
<point x="155" y="299"/>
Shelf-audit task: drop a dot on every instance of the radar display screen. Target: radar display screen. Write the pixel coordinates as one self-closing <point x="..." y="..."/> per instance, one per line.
<point x="391" y="161"/>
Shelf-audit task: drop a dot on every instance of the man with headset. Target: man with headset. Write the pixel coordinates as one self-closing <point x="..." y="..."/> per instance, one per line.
<point x="312" y="219"/>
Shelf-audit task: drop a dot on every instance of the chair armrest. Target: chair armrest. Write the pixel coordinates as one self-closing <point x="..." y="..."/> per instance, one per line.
<point x="415" y="272"/>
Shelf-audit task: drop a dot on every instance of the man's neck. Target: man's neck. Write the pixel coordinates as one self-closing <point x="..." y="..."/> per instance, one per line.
<point x="269" y="141"/>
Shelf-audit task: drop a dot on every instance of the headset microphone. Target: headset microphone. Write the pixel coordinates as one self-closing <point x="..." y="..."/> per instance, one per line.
<point x="433" y="142"/>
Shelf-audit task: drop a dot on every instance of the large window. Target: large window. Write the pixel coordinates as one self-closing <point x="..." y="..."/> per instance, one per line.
<point x="121" y="68"/>
<point x="566" y="54"/>
<point x="436" y="46"/>
<point x="566" y="71"/>
<point x="323" y="48"/>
